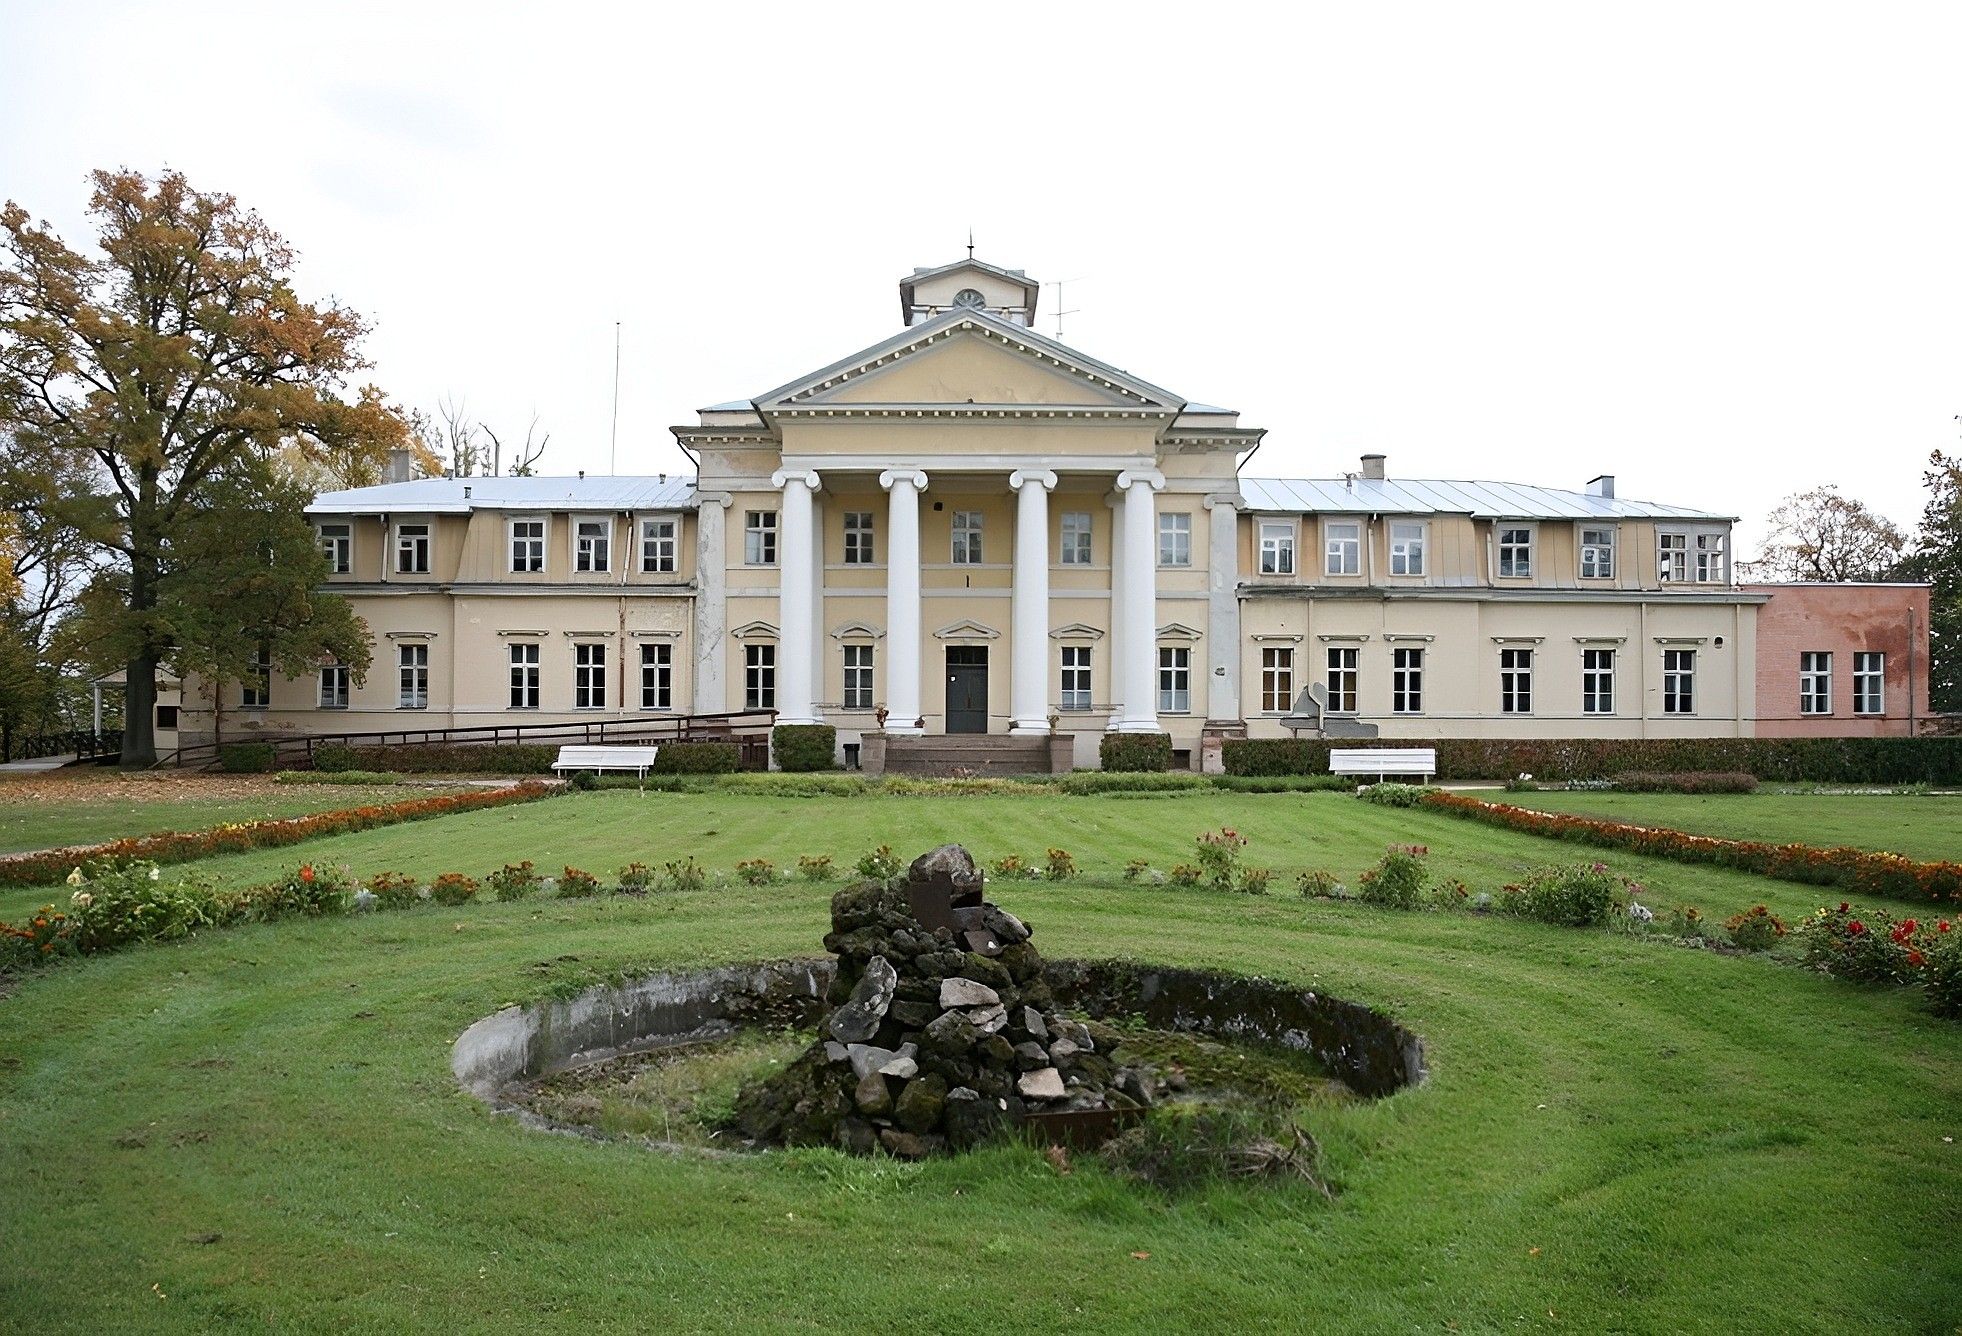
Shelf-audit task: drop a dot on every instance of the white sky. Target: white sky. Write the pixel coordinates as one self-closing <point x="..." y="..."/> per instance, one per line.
<point x="1709" y="248"/>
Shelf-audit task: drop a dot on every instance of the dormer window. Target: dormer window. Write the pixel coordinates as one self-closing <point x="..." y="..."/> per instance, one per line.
<point x="969" y="297"/>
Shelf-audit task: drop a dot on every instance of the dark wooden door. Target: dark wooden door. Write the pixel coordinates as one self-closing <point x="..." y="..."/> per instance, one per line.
<point x="967" y="688"/>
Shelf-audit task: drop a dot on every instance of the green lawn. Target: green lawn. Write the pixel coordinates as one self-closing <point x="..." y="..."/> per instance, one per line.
<point x="258" y="1127"/>
<point x="51" y="824"/>
<point x="1920" y="827"/>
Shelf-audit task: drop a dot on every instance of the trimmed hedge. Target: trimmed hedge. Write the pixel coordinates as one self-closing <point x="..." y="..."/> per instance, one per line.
<point x="245" y="758"/>
<point x="1697" y="781"/>
<point x="499" y="758"/>
<point x="804" y="747"/>
<point x="697" y="758"/>
<point x="1827" y="760"/>
<point x="1135" y="751"/>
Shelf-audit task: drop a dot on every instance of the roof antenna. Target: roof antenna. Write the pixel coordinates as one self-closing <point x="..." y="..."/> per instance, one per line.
<point x="970" y="241"/>
<point x="613" y="441"/>
<point x="1060" y="312"/>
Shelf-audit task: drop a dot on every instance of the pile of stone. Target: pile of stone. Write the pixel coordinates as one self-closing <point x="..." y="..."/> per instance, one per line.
<point x="942" y="1031"/>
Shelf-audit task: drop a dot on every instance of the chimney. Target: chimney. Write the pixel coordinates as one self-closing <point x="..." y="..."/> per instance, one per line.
<point x="1373" y="467"/>
<point x="401" y="465"/>
<point x="1604" y="485"/>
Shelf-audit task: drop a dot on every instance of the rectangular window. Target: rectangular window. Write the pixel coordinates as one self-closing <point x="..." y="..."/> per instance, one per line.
<point x="1342" y="678"/>
<point x="1710" y="558"/>
<point x="1406" y="680"/>
<point x="858" y="538"/>
<point x="858" y="677"/>
<point x="1598" y="554"/>
<point x="1076" y="677"/>
<point x="590" y="545"/>
<point x="760" y="538"/>
<point x="1344" y="544"/>
<point x="1076" y="538"/>
<point x="527" y="546"/>
<point x="1515" y="554"/>
<point x="1815" y="682"/>
<point x="255" y="691"/>
<point x="589" y="677"/>
<point x="333" y="686"/>
<point x="658" y="546"/>
<point x="1276" y="549"/>
<point x="337" y="541"/>
<point x="967" y="538"/>
<point x="412" y="677"/>
<point x="1597" y="681"/>
<point x="524" y="675"/>
<point x="1174" y="680"/>
<point x="1672" y="557"/>
<point x="657" y="676"/>
<point x="759" y="677"/>
<point x="1277" y="680"/>
<point x="167" y="716"/>
<point x="1869" y="682"/>
<point x="1406" y="548"/>
<point x="1175" y="540"/>
<point x="1679" y="681"/>
<point x="1515" y="681"/>
<point x="412" y="549"/>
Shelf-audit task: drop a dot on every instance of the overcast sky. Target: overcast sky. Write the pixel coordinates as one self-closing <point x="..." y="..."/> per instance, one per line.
<point x="1712" y="249"/>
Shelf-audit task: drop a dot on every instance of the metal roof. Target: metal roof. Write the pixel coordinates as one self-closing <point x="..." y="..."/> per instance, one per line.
<point x="1433" y="496"/>
<point x="446" y="496"/>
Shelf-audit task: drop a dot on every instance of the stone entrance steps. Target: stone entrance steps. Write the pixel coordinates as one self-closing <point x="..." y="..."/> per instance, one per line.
<point x="954" y="754"/>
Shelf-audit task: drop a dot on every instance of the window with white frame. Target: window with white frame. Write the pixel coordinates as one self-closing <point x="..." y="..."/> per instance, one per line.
<point x="412" y="549"/>
<point x="1815" y="682"/>
<point x="412" y="677"/>
<point x="255" y="690"/>
<point x="527" y="546"/>
<point x="1174" y="679"/>
<point x="1276" y="547"/>
<point x="1076" y="539"/>
<point x="1342" y="543"/>
<point x="1175" y="539"/>
<point x="1277" y="679"/>
<point x="859" y="550"/>
<point x="1597" y="553"/>
<point x="333" y="686"/>
<point x="1406" y="680"/>
<point x="1343" y="675"/>
<point x="1672" y="557"/>
<point x="1597" y="681"/>
<point x="1076" y="677"/>
<point x="1515" y="681"/>
<point x="1869" y="682"/>
<point x="858" y="677"/>
<point x="592" y="541"/>
<point x="1710" y="558"/>
<point x="760" y="538"/>
<point x="1407" y="541"/>
<point x="967" y="538"/>
<point x="524" y="675"/>
<point x="1515" y="552"/>
<point x="759" y="677"/>
<point x="660" y="549"/>
<point x="337" y="542"/>
<point x="1679" y="681"/>
<point x="656" y="675"/>
<point x="589" y="677"/>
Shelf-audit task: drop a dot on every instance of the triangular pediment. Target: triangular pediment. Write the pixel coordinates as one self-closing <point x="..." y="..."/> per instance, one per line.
<point x="967" y="629"/>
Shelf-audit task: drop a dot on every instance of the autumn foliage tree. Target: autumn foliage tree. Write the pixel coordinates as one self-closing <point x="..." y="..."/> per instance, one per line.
<point x="1824" y="535"/>
<point x="178" y="366"/>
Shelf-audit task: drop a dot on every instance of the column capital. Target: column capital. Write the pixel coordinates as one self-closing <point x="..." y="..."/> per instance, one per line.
<point x="917" y="477"/>
<point x="1151" y="478"/>
<point x="1022" y="477"/>
<point x="808" y="477"/>
<point x="1228" y="500"/>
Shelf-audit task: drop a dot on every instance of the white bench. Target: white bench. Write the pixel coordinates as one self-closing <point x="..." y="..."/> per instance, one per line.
<point x="598" y="759"/>
<point x="1383" y="761"/>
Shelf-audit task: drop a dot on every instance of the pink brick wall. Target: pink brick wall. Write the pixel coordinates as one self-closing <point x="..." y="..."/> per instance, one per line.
<point x="1841" y="619"/>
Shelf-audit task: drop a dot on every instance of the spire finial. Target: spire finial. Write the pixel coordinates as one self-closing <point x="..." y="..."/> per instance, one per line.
<point x="970" y="241"/>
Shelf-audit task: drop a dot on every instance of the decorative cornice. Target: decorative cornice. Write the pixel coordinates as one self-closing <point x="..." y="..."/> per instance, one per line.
<point x="967" y="629"/>
<point x="1077" y="631"/>
<point x="1179" y="631"/>
<point x="757" y="630"/>
<point x="857" y="631"/>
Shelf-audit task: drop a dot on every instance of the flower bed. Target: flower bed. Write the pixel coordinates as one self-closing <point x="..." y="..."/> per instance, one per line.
<point x="1861" y="871"/>
<point x="51" y="865"/>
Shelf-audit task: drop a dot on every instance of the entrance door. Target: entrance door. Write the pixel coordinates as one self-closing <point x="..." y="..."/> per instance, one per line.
<point x="967" y="688"/>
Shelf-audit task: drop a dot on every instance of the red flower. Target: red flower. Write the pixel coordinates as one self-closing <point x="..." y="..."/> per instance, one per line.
<point x="1916" y="959"/>
<point x="1843" y="906"/>
<point x="1943" y="926"/>
<point x="306" y="872"/>
<point x="1855" y="928"/>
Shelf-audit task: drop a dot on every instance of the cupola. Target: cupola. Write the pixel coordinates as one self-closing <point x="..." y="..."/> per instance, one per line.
<point x="1007" y="293"/>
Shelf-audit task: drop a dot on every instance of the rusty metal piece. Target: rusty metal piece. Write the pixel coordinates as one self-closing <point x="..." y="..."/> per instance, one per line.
<point x="1079" y="1129"/>
<point x="932" y="906"/>
<point x="982" y="942"/>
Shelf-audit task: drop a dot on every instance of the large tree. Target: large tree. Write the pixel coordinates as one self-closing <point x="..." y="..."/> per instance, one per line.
<point x="1823" y="535"/>
<point x="178" y="356"/>
<point x="1937" y="558"/>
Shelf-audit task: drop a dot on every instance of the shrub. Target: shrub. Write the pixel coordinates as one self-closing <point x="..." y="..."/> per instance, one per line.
<point x="132" y="903"/>
<point x="1394" y="795"/>
<point x="453" y="888"/>
<point x="515" y="881"/>
<point x="1254" y="880"/>
<point x="1521" y="784"/>
<point x="1451" y="894"/>
<point x="1756" y="929"/>
<point x="584" y="780"/>
<point x="697" y="758"/>
<point x="1696" y="781"/>
<point x="1083" y="783"/>
<point x="1219" y="855"/>
<point x="1317" y="884"/>
<point x="393" y="890"/>
<point x="1187" y="874"/>
<point x="1943" y="975"/>
<point x="348" y="777"/>
<point x="1685" y="921"/>
<point x="332" y="757"/>
<point x="498" y="758"/>
<point x="1135" y="751"/>
<point x="576" y="884"/>
<point x="814" y="867"/>
<point x="1135" y="869"/>
<point x="881" y="864"/>
<point x="1010" y="867"/>
<point x="757" y="871"/>
<point x="1273" y="756"/>
<point x="245" y="758"/>
<point x="634" y="877"/>
<point x="1282" y="783"/>
<point x="42" y="937"/>
<point x="1397" y="880"/>
<point x="1579" y="896"/>
<point x="308" y="891"/>
<point x="801" y="747"/>
<point x="1058" y="865"/>
<point x="684" y="875"/>
<point x="1934" y="760"/>
<point x="832" y="785"/>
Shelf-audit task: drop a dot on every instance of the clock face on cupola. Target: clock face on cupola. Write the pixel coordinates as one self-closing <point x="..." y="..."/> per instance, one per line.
<point x="968" y="285"/>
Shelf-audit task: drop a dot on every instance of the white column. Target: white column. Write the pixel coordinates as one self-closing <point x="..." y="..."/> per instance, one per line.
<point x="796" y="701"/>
<point x="819" y="640"/>
<point x="903" y="599"/>
<point x="709" y="692"/>
<point x="1029" y="693"/>
<point x="1223" y="610"/>
<point x="1140" y="653"/>
<point x="1114" y="689"/>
